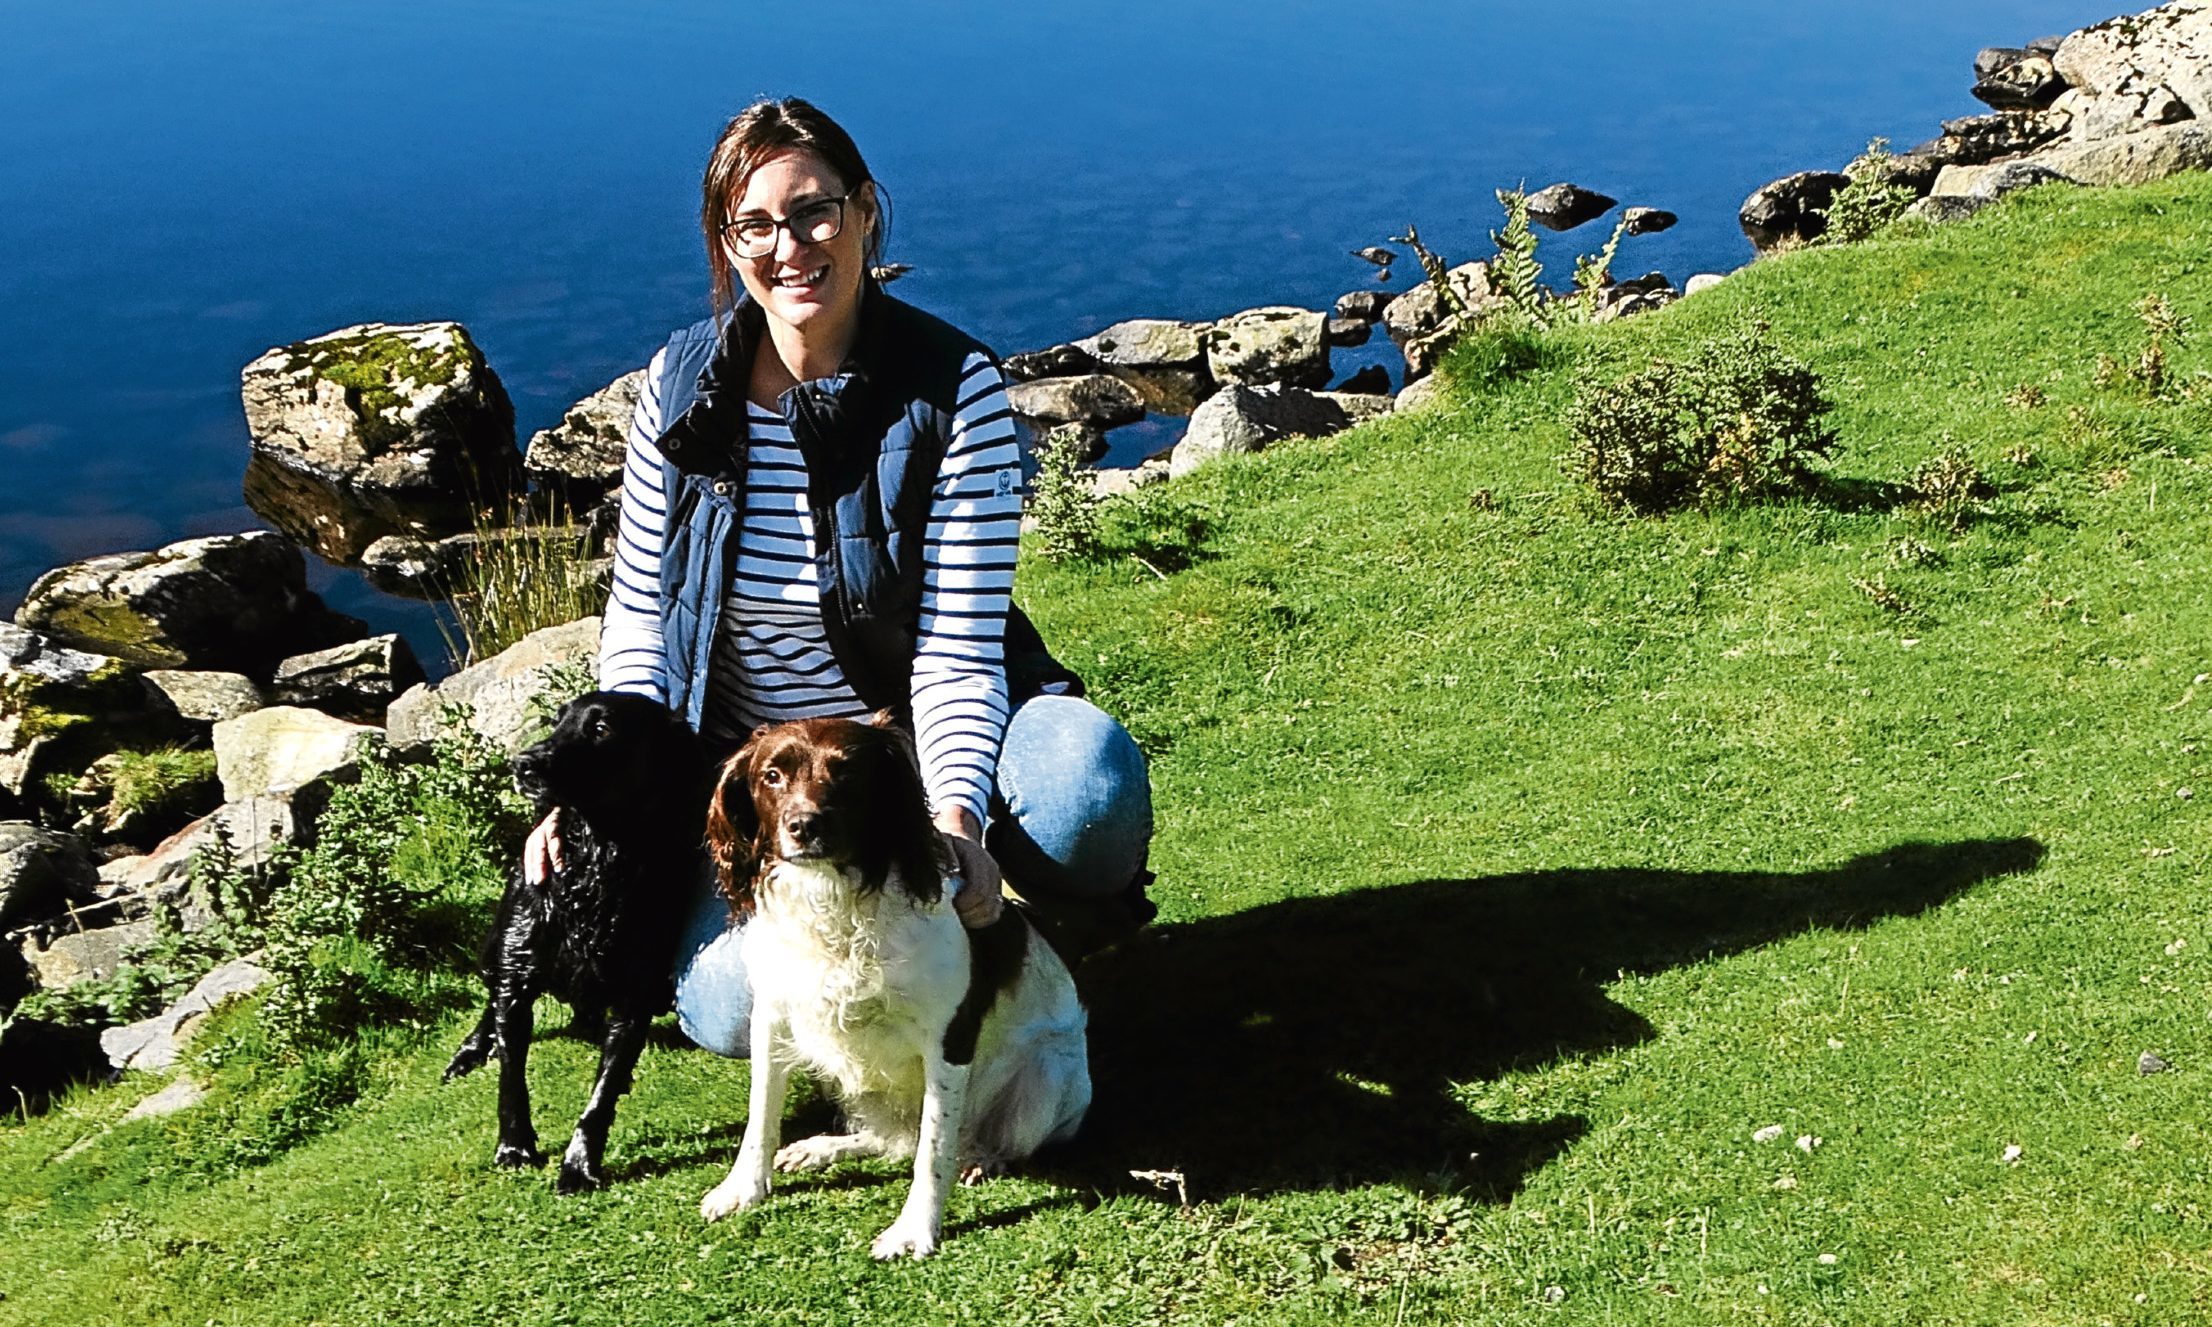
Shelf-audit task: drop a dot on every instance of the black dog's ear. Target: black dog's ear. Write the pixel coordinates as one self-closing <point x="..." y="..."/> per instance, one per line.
<point x="920" y="853"/>
<point x="733" y="829"/>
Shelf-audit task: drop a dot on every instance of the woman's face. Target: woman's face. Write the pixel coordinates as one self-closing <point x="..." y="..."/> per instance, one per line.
<point x="813" y="287"/>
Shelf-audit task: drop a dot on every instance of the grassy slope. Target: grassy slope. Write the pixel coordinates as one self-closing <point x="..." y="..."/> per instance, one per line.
<point x="1522" y="863"/>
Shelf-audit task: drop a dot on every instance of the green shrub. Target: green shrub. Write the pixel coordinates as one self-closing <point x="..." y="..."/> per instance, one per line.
<point x="1871" y="200"/>
<point x="1739" y="418"/>
<point x="1061" y="500"/>
<point x="1949" y="487"/>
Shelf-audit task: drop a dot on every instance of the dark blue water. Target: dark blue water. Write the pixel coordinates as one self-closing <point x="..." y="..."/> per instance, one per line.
<point x="182" y="187"/>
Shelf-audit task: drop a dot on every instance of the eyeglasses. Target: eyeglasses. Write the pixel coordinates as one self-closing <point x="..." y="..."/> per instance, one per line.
<point x="755" y="237"/>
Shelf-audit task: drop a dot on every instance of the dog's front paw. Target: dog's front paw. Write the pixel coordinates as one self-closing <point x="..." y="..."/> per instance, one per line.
<point x="466" y="1060"/>
<point x="734" y="1194"/>
<point x="908" y="1237"/>
<point x="812" y="1153"/>
<point x="519" y="1156"/>
<point x="579" y="1172"/>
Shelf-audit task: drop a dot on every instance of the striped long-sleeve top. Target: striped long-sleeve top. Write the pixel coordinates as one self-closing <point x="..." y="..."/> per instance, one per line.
<point x="772" y="661"/>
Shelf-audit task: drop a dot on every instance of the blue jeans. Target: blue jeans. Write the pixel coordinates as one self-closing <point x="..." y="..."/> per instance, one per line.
<point x="1071" y="818"/>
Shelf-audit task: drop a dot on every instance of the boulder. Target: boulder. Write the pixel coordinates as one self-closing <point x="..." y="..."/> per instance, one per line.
<point x="355" y="681"/>
<point x="579" y="460"/>
<point x="2140" y="70"/>
<point x="1099" y="400"/>
<point x="2004" y="177"/>
<point x="399" y="428"/>
<point x="59" y="708"/>
<point x="1120" y="481"/>
<point x="137" y="798"/>
<point x="1164" y="360"/>
<point x="1277" y="344"/>
<point x="1420" y="311"/>
<point x="404" y="564"/>
<point x="1939" y="208"/>
<point x="203" y="695"/>
<point x="2027" y="84"/>
<point x="42" y="872"/>
<point x="1064" y="361"/>
<point x="1373" y="380"/>
<point x="1974" y="140"/>
<point x="1417" y="394"/>
<point x="494" y="696"/>
<point x="1648" y="220"/>
<point x="1701" y="281"/>
<point x="2150" y="153"/>
<point x="1366" y="305"/>
<point x="1347" y="331"/>
<point x="155" y="1043"/>
<point x="82" y="956"/>
<point x="257" y="828"/>
<point x="283" y="749"/>
<point x="1248" y="419"/>
<point x="1989" y="59"/>
<point x="1790" y="211"/>
<point x="1089" y="442"/>
<point x="1565" y="206"/>
<point x="236" y="602"/>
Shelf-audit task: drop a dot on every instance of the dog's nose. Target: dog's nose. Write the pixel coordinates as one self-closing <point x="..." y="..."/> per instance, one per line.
<point x="802" y="826"/>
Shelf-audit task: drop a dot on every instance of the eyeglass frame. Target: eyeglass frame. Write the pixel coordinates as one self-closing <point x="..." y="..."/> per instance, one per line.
<point x="784" y="224"/>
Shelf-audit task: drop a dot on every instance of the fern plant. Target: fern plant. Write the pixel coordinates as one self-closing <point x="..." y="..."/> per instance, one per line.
<point x="1594" y="272"/>
<point x="1515" y="273"/>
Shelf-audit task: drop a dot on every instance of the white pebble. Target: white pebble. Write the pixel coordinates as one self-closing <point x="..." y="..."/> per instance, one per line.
<point x="1806" y="1143"/>
<point x="1766" y="1135"/>
<point x="2013" y="1153"/>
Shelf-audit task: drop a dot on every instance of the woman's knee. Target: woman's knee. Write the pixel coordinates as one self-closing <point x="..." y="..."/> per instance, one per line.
<point x="1073" y="813"/>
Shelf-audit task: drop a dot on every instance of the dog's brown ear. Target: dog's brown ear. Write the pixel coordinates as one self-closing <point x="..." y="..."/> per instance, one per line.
<point x="733" y="829"/>
<point x="884" y="718"/>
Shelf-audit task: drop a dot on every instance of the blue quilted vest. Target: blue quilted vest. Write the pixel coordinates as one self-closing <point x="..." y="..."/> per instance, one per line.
<point x="873" y="436"/>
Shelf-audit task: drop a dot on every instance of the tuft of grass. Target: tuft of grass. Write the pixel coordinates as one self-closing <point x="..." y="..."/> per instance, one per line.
<point x="522" y="573"/>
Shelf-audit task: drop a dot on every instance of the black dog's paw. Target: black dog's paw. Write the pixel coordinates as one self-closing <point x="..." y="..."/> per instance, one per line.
<point x="578" y="1176"/>
<point x="466" y="1060"/>
<point x="518" y="1156"/>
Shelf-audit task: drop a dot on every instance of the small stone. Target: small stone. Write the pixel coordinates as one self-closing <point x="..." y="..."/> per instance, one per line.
<point x="1564" y="206"/>
<point x="1826" y="1260"/>
<point x="1648" y="220"/>
<point x="1786" y="1183"/>
<point x="2183" y="793"/>
<point x="1767" y="1134"/>
<point x="1348" y="332"/>
<point x="1365" y="305"/>
<point x="1702" y="281"/>
<point x="1806" y="1143"/>
<point x="1376" y="254"/>
<point x="2013" y="1153"/>
<point x="2148" y="1063"/>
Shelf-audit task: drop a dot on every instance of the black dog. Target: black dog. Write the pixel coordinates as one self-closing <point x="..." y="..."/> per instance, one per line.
<point x="630" y="782"/>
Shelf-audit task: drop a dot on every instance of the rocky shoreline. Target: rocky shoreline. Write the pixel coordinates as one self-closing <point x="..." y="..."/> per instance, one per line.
<point x="155" y="702"/>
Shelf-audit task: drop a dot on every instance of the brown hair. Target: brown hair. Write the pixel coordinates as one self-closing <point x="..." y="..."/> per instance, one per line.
<point x="753" y="135"/>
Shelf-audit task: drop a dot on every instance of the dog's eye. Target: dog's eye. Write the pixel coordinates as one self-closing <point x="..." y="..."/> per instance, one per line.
<point x="599" y="730"/>
<point x="772" y="777"/>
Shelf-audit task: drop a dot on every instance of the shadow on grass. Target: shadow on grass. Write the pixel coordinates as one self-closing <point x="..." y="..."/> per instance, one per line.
<point x="1313" y="1043"/>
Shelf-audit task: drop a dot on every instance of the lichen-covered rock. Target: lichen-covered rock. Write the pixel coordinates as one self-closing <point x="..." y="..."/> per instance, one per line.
<point x="60" y="708"/>
<point x="1164" y="360"/>
<point x="1789" y="211"/>
<point x="2139" y="70"/>
<point x="1420" y="310"/>
<point x="1975" y="140"/>
<point x="154" y="1043"/>
<point x="1564" y="206"/>
<point x="81" y="956"/>
<point x="2026" y="84"/>
<point x="1248" y="419"/>
<point x="41" y="872"/>
<point x="580" y="459"/>
<point x="494" y="695"/>
<point x="203" y="695"/>
<point x="1098" y="400"/>
<point x="236" y="603"/>
<point x="1277" y="344"/>
<point x="2150" y="153"/>
<point x="397" y="427"/>
<point x="282" y="749"/>
<point x="354" y="681"/>
<point x="1940" y="208"/>
<point x="1418" y="394"/>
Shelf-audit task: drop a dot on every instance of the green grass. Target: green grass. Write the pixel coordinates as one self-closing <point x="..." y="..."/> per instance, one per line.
<point x="1519" y="862"/>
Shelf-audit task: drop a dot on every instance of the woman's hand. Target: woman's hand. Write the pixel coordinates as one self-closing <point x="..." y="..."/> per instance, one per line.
<point x="541" y="852"/>
<point x="978" y="901"/>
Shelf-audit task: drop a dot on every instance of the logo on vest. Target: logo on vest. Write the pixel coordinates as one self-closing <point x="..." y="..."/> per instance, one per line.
<point x="1008" y="481"/>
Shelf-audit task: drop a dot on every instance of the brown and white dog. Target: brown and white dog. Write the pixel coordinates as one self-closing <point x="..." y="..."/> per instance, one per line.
<point x="963" y="1049"/>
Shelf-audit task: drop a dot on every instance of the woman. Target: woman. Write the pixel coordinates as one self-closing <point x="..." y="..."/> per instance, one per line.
<point x="819" y="514"/>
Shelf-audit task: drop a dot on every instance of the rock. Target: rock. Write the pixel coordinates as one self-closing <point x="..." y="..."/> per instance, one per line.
<point x="257" y="828"/>
<point x="1419" y="312"/>
<point x="2027" y="84"/>
<point x="2151" y="153"/>
<point x="1112" y="483"/>
<point x="1247" y="419"/>
<point x="1277" y="344"/>
<point x="1366" y="305"/>
<point x="1915" y="171"/>
<point x="1627" y="298"/>
<point x="495" y="694"/>
<point x="2136" y="71"/>
<point x="1099" y="400"/>
<point x="1975" y="140"/>
<point x="2007" y="177"/>
<point x="282" y="749"/>
<point x="235" y="603"/>
<point x="1373" y="380"/>
<point x="2149" y="1063"/>
<point x="1417" y="394"/>
<point x="405" y="564"/>
<point x="1565" y="206"/>
<point x="2047" y="45"/>
<point x="115" y="802"/>
<point x="1164" y="360"/>
<point x="40" y="1060"/>
<point x="202" y="695"/>
<point x="154" y="1043"/>
<point x="1790" y="211"/>
<point x="42" y="871"/>
<point x="579" y="460"/>
<point x="1376" y="254"/>
<point x="1989" y="59"/>
<point x="399" y="428"/>
<point x="1648" y="220"/>
<point x="181" y="1093"/>
<point x="83" y="956"/>
<point x="1939" y="208"/>
<point x="1702" y="281"/>
<point x="1347" y="332"/>
<point x="1090" y="443"/>
<point x="355" y="681"/>
<point x="59" y="708"/>
<point x="1064" y="361"/>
